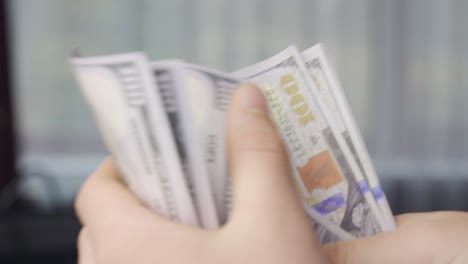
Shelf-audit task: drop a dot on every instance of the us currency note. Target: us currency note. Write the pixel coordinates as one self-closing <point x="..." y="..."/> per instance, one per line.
<point x="327" y="177"/>
<point x="326" y="80"/>
<point x="208" y="92"/>
<point x="190" y="113"/>
<point x="129" y="112"/>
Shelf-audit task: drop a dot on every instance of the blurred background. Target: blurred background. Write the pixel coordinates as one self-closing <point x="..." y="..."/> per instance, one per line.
<point x="403" y="65"/>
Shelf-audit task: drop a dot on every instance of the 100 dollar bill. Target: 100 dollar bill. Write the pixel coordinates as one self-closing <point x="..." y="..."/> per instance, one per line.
<point x="189" y="107"/>
<point x="207" y="93"/>
<point x="327" y="176"/>
<point x="331" y="93"/>
<point x="121" y="92"/>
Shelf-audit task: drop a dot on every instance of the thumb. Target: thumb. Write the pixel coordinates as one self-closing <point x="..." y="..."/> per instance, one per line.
<point x="420" y="238"/>
<point x="262" y="182"/>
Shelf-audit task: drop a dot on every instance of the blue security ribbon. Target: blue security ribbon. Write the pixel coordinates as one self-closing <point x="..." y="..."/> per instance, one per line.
<point x="362" y="186"/>
<point x="378" y="192"/>
<point x="331" y="204"/>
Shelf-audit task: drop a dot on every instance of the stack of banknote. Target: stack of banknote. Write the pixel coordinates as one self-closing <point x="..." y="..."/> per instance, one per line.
<point x="163" y="123"/>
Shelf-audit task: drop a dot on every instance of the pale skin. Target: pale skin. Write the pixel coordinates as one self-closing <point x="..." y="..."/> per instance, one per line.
<point x="267" y="224"/>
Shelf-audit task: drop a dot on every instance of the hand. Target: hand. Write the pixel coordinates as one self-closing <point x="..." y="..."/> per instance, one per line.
<point x="440" y="237"/>
<point x="267" y="224"/>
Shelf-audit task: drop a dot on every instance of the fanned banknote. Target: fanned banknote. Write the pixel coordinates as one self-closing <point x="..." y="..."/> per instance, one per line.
<point x="121" y="92"/>
<point x="326" y="80"/>
<point x="190" y="112"/>
<point x="327" y="176"/>
<point x="206" y="93"/>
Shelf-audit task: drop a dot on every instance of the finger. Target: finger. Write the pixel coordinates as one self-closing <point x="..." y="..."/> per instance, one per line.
<point x="405" y="220"/>
<point x="104" y="204"/>
<point x="411" y="242"/>
<point x="420" y="238"/>
<point x="386" y="248"/>
<point x="262" y="183"/>
<point x="85" y="248"/>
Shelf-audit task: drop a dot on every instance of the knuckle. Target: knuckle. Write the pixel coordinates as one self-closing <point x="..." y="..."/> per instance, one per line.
<point x="82" y="194"/>
<point x="79" y="197"/>
<point x="81" y="240"/>
<point x="87" y="187"/>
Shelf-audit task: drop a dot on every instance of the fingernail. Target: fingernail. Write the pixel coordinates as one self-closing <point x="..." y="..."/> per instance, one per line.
<point x="252" y="99"/>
